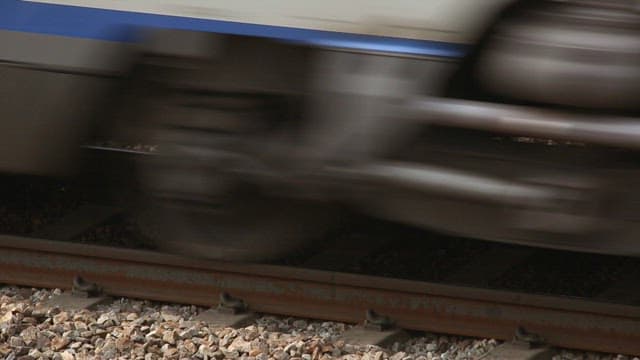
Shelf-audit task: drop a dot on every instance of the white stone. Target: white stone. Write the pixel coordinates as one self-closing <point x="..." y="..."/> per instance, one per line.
<point x="240" y="345"/>
<point x="398" y="356"/>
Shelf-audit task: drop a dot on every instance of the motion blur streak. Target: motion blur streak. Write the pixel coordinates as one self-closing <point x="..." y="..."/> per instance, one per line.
<point x="513" y="121"/>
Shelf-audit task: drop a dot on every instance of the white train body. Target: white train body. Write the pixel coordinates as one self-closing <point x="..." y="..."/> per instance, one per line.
<point x="456" y="21"/>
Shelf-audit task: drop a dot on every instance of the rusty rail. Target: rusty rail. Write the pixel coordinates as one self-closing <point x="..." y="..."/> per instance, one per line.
<point x="565" y="322"/>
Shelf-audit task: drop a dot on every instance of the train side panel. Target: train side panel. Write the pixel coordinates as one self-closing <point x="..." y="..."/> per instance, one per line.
<point x="437" y="20"/>
<point x="60" y="58"/>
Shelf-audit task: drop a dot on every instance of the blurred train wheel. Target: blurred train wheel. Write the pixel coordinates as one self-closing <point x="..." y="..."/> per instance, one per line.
<point x="203" y="197"/>
<point x="254" y="230"/>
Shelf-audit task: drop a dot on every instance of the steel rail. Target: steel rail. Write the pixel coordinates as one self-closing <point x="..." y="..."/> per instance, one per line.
<point x="565" y="322"/>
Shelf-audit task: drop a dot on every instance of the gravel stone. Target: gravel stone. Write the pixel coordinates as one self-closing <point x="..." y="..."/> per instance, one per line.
<point x="131" y="329"/>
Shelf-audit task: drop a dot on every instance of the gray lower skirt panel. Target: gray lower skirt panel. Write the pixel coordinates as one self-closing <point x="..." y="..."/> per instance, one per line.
<point x="60" y="52"/>
<point x="44" y="117"/>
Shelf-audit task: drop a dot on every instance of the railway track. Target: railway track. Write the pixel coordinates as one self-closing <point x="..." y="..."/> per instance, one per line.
<point x="312" y="289"/>
<point x="413" y="305"/>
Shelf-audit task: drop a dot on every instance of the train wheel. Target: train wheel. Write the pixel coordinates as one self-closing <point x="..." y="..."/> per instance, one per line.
<point x="257" y="229"/>
<point x="202" y="196"/>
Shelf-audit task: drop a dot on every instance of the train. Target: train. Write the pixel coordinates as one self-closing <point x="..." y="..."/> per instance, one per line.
<point x="509" y="121"/>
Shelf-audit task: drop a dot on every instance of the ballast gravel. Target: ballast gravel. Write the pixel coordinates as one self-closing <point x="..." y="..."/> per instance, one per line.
<point x="134" y="329"/>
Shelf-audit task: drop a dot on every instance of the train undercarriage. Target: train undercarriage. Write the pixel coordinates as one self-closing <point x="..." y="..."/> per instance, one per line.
<point x="260" y="145"/>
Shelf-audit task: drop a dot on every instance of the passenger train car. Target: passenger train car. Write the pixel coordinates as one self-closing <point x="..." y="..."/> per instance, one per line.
<point x="513" y="121"/>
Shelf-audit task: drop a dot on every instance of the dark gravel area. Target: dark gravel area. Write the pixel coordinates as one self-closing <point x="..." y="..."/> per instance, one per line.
<point x="120" y="232"/>
<point x="565" y="273"/>
<point x="419" y="255"/>
<point x="30" y="203"/>
<point x="380" y="248"/>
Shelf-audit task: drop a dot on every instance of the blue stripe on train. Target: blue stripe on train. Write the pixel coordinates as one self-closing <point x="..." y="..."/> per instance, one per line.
<point x="112" y="25"/>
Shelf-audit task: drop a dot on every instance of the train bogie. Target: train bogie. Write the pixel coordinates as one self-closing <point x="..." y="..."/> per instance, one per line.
<point x="514" y="124"/>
